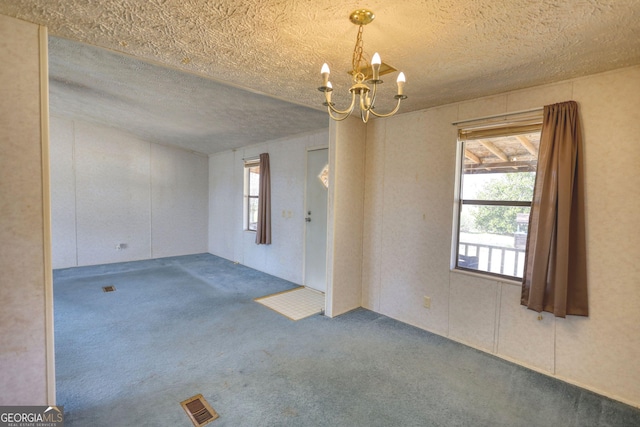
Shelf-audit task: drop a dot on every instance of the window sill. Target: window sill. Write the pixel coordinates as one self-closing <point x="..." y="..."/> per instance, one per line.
<point x="487" y="277"/>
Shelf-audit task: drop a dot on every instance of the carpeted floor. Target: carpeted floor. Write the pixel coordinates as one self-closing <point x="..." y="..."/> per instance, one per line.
<point x="176" y="327"/>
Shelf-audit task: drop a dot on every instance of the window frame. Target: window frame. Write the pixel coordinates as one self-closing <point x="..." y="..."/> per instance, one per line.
<point x="486" y="131"/>
<point x="248" y="197"/>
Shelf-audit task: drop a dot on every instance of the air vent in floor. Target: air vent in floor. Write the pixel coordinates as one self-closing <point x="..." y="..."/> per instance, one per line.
<point x="108" y="288"/>
<point x="199" y="410"/>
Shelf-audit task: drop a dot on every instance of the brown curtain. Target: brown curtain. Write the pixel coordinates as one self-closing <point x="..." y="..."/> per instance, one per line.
<point x="555" y="272"/>
<point x="263" y="230"/>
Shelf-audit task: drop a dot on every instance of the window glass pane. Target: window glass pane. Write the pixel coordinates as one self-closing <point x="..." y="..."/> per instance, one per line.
<point x="501" y="168"/>
<point x="516" y="186"/>
<point x="493" y="238"/>
<point x="254" y="180"/>
<point x="253" y="214"/>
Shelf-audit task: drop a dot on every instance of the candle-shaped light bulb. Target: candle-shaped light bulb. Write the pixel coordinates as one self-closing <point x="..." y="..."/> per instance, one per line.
<point x="325" y="74"/>
<point x="401" y="80"/>
<point x="375" y="66"/>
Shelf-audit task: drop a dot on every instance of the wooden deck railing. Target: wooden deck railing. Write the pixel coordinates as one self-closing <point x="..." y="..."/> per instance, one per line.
<point x="494" y="259"/>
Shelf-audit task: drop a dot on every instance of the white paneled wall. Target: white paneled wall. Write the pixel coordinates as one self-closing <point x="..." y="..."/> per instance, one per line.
<point x="225" y="194"/>
<point x="404" y="179"/>
<point x="284" y="257"/>
<point x="472" y="311"/>
<point x="63" y="194"/>
<point x="607" y="344"/>
<point x="112" y="195"/>
<point x="110" y="188"/>
<point x="517" y="328"/>
<point x="409" y="197"/>
<point x="179" y="202"/>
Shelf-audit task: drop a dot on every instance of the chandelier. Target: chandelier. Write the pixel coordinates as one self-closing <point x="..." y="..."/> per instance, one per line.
<point x="362" y="91"/>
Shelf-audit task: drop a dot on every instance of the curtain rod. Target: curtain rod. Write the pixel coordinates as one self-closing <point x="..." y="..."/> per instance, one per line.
<point x="494" y="116"/>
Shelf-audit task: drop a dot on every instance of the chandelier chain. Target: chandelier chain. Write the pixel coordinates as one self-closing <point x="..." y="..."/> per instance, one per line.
<point x="357" y="53"/>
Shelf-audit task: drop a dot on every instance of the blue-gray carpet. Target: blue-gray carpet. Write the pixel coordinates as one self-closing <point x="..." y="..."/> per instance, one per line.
<point x="176" y="327"/>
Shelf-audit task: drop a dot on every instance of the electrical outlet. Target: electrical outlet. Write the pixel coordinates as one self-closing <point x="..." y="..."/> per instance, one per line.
<point x="426" y="303"/>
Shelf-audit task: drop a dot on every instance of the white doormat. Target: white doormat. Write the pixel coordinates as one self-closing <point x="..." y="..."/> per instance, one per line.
<point x="295" y="304"/>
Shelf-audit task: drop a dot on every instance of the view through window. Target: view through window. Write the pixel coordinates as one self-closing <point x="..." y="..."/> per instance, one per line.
<point x="496" y="188"/>
<point x="251" y="192"/>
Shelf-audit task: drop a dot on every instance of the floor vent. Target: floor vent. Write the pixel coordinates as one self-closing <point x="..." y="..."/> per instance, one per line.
<point x="108" y="288"/>
<point x="199" y="410"/>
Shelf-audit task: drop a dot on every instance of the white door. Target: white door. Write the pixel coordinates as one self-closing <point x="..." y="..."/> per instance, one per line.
<point x="315" y="254"/>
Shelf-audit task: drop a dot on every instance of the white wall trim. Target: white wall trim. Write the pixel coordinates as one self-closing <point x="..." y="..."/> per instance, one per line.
<point x="46" y="216"/>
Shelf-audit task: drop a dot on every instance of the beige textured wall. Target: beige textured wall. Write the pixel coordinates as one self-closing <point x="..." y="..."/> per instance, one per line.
<point x="24" y="275"/>
<point x="410" y="173"/>
<point x="344" y="215"/>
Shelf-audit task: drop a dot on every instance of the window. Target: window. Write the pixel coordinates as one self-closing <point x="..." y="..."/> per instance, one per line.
<point x="497" y="176"/>
<point x="251" y="192"/>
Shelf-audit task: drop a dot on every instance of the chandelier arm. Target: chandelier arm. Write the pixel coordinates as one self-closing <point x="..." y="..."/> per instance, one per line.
<point x="348" y="110"/>
<point x="336" y="118"/>
<point x="364" y="115"/>
<point x="373" y="96"/>
<point x="395" y="110"/>
<point x="363" y="107"/>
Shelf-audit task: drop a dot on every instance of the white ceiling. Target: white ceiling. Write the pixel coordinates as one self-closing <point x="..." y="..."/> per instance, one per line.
<point x="215" y="75"/>
<point x="165" y="105"/>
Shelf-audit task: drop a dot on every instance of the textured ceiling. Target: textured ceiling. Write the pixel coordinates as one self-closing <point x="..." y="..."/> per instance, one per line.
<point x="164" y="105"/>
<point x="450" y="50"/>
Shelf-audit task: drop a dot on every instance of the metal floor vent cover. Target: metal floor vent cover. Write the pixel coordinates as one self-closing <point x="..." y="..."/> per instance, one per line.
<point x="110" y="288"/>
<point x="199" y="410"/>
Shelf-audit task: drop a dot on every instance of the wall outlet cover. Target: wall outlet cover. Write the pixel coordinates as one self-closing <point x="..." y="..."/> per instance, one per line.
<point x="426" y="302"/>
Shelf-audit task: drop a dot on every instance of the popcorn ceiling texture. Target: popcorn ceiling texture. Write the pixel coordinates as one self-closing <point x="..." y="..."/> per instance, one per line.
<point x="449" y="50"/>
